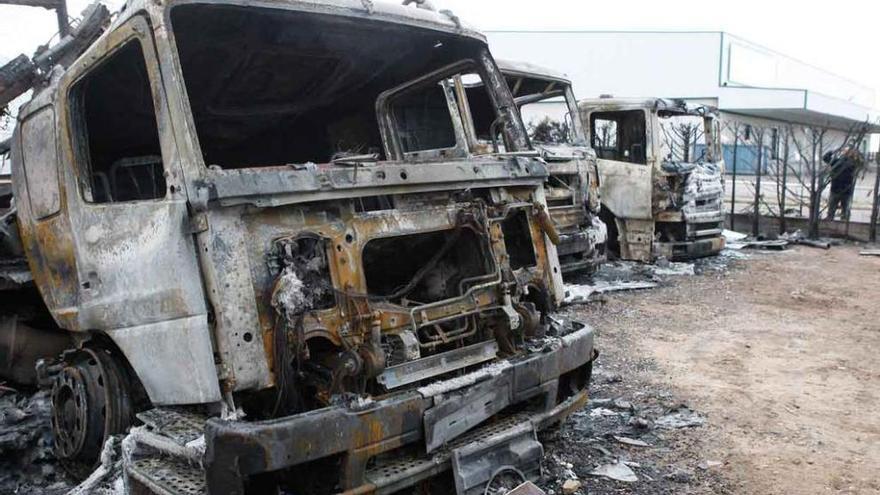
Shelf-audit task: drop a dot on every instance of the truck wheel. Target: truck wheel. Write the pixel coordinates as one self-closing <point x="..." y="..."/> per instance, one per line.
<point x="90" y="402"/>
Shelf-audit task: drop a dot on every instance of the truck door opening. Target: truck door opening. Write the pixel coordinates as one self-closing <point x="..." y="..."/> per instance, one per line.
<point x="620" y="136"/>
<point x="115" y="130"/>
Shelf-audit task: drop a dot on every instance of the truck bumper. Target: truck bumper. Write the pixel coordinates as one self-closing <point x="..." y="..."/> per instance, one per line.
<point x="583" y="249"/>
<point x="580" y="252"/>
<point x="679" y="251"/>
<point x="547" y="385"/>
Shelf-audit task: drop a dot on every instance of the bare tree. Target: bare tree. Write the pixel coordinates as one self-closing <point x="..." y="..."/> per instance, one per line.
<point x="681" y="137"/>
<point x="774" y="164"/>
<point x="781" y="167"/>
<point x="735" y="127"/>
<point x="782" y="186"/>
<point x="752" y="133"/>
<point x="606" y="134"/>
<point x="758" y="132"/>
<point x="6" y="119"/>
<point x="815" y="176"/>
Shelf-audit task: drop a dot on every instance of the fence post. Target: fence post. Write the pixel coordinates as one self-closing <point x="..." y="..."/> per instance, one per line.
<point x="875" y="206"/>
<point x="733" y="187"/>
<point x="783" y="224"/>
<point x="756" y="220"/>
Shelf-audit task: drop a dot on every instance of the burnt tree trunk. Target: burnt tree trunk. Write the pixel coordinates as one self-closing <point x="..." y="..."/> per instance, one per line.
<point x="815" y="190"/>
<point x="783" y="224"/>
<point x="733" y="187"/>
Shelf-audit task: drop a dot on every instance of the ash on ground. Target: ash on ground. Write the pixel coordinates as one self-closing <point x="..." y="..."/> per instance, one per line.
<point x="635" y="435"/>
<point x="630" y="439"/>
<point x="27" y="465"/>
<point x="620" y="275"/>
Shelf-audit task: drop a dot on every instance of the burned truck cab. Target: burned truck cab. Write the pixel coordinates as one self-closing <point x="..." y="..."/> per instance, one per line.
<point x="549" y="110"/>
<point x="546" y="102"/>
<point x="265" y="222"/>
<point x="661" y="177"/>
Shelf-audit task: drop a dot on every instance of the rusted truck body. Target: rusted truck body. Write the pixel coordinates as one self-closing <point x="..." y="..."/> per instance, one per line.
<point x="268" y="236"/>
<point x="660" y="175"/>
<point x="27" y="330"/>
<point x="549" y="110"/>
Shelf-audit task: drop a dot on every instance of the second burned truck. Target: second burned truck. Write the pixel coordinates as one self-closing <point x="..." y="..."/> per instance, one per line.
<point x="661" y="176"/>
<point x="267" y="236"/>
<point x="547" y="104"/>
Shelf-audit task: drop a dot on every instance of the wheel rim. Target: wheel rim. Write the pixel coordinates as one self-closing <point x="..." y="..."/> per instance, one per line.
<point x="70" y="408"/>
<point x="90" y="402"/>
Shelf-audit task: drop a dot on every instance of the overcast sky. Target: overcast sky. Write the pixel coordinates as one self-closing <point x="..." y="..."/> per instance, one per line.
<point x="840" y="36"/>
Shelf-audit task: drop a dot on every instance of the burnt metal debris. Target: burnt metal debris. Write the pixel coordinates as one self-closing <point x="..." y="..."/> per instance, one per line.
<point x="288" y="238"/>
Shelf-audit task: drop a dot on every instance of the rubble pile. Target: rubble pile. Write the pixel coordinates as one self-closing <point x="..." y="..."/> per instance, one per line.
<point x="26" y="461"/>
<point x="620" y="275"/>
<point x="636" y="442"/>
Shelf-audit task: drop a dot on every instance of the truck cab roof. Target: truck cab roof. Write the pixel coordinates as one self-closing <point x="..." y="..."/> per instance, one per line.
<point x="528" y="69"/>
<point x="397" y="13"/>
<point x="666" y="104"/>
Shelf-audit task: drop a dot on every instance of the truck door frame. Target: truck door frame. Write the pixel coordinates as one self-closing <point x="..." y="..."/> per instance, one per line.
<point x="626" y="189"/>
<point x="137" y="265"/>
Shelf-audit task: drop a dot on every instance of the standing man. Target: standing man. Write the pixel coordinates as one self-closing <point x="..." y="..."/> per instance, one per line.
<point x="843" y="181"/>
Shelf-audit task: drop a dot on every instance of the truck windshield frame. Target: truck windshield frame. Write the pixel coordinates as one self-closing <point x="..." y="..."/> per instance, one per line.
<point x="275" y="86"/>
<point x="556" y="91"/>
<point x="686" y="136"/>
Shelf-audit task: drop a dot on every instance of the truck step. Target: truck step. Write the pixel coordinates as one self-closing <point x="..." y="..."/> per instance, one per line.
<point x="392" y="475"/>
<point x="181" y="427"/>
<point x="165" y="476"/>
<point x="167" y="453"/>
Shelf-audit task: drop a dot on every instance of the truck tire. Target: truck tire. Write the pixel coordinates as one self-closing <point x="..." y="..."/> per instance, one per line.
<point x="91" y="401"/>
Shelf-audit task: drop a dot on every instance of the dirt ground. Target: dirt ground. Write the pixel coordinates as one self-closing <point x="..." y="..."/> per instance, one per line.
<point x="779" y="354"/>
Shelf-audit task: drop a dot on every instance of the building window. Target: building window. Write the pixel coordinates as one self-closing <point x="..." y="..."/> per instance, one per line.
<point x="746" y="158"/>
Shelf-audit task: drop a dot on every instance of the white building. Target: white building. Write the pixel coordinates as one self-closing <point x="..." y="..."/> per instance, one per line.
<point x="748" y="83"/>
<point x="717" y="68"/>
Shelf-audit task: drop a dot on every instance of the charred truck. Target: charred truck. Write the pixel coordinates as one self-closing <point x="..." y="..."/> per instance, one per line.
<point x="660" y="175"/>
<point x="275" y="247"/>
<point x="549" y="110"/>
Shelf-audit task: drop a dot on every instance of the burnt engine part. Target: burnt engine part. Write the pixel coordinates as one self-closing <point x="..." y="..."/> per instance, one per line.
<point x="303" y="283"/>
<point x="303" y="274"/>
<point x="400" y="348"/>
<point x="532" y="326"/>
